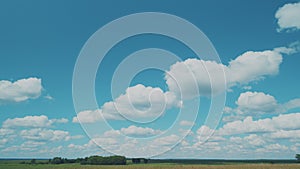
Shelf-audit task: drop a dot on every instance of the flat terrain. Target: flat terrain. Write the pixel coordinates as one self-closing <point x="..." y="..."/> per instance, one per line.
<point x="150" y="166"/>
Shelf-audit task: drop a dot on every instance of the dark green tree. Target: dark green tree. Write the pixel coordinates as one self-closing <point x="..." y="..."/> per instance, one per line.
<point x="57" y="160"/>
<point x="298" y="157"/>
<point x="136" y="160"/>
<point x="99" y="160"/>
<point x="33" y="161"/>
<point x="146" y="160"/>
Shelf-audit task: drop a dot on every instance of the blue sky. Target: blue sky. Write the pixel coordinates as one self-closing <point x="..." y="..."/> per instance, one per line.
<point x="258" y="45"/>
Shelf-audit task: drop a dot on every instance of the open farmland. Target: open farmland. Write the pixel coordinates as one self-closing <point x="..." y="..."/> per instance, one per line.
<point x="150" y="166"/>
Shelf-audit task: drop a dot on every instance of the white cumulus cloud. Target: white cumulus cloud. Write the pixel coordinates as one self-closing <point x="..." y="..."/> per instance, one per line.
<point x="138" y="102"/>
<point x="139" y="131"/>
<point x="288" y="16"/>
<point x="92" y="116"/>
<point x="257" y="102"/>
<point x="295" y="103"/>
<point x="166" y="141"/>
<point x="186" y="123"/>
<point x="286" y="134"/>
<point x="141" y="102"/>
<point x="253" y="66"/>
<point x="32" y="121"/>
<point x="40" y="134"/>
<point x="184" y="79"/>
<point x="193" y="77"/>
<point x="248" y="125"/>
<point x="20" y="90"/>
<point x="252" y="139"/>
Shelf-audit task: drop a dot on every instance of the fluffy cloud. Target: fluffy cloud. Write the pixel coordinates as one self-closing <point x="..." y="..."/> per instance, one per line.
<point x="245" y="144"/>
<point x="39" y="134"/>
<point x="208" y="77"/>
<point x="208" y="146"/>
<point x="252" y="139"/>
<point x="256" y="102"/>
<point x="112" y="133"/>
<point x="20" y="90"/>
<point x="111" y="143"/>
<point x="286" y="134"/>
<point x="138" y="103"/>
<point x="253" y="66"/>
<point x="194" y="77"/>
<point x="186" y="123"/>
<point x="295" y="103"/>
<point x="32" y="121"/>
<point x="5" y="131"/>
<point x="3" y="141"/>
<point x="288" y="16"/>
<point x="205" y="133"/>
<point x="291" y="49"/>
<point x="7" y="135"/>
<point x="248" y="125"/>
<point x="132" y="131"/>
<point x="231" y="114"/>
<point x="132" y="146"/>
<point x="32" y="144"/>
<point x="273" y="148"/>
<point x="92" y="116"/>
<point x="166" y="141"/>
<point x="135" y="131"/>
<point x="88" y="146"/>
<point x="184" y="79"/>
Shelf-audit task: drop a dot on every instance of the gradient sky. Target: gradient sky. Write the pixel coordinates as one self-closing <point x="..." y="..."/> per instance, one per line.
<point x="257" y="42"/>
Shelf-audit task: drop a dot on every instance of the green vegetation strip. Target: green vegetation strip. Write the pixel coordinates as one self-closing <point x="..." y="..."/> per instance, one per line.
<point x="149" y="166"/>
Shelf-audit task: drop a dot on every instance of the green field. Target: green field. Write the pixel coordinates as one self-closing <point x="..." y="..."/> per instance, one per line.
<point x="149" y="166"/>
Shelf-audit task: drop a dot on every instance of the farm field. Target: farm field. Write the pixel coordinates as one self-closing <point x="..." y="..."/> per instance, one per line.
<point x="151" y="166"/>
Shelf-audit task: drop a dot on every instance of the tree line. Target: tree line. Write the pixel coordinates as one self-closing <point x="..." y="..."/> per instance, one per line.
<point x="92" y="160"/>
<point x="100" y="160"/>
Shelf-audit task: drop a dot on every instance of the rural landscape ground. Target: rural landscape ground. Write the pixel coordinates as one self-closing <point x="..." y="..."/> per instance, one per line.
<point x="186" y="164"/>
<point x="152" y="166"/>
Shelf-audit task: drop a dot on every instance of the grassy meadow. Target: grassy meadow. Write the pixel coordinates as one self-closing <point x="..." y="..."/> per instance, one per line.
<point x="16" y="165"/>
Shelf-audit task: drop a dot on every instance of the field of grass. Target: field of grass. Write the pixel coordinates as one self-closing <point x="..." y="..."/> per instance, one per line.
<point x="150" y="166"/>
